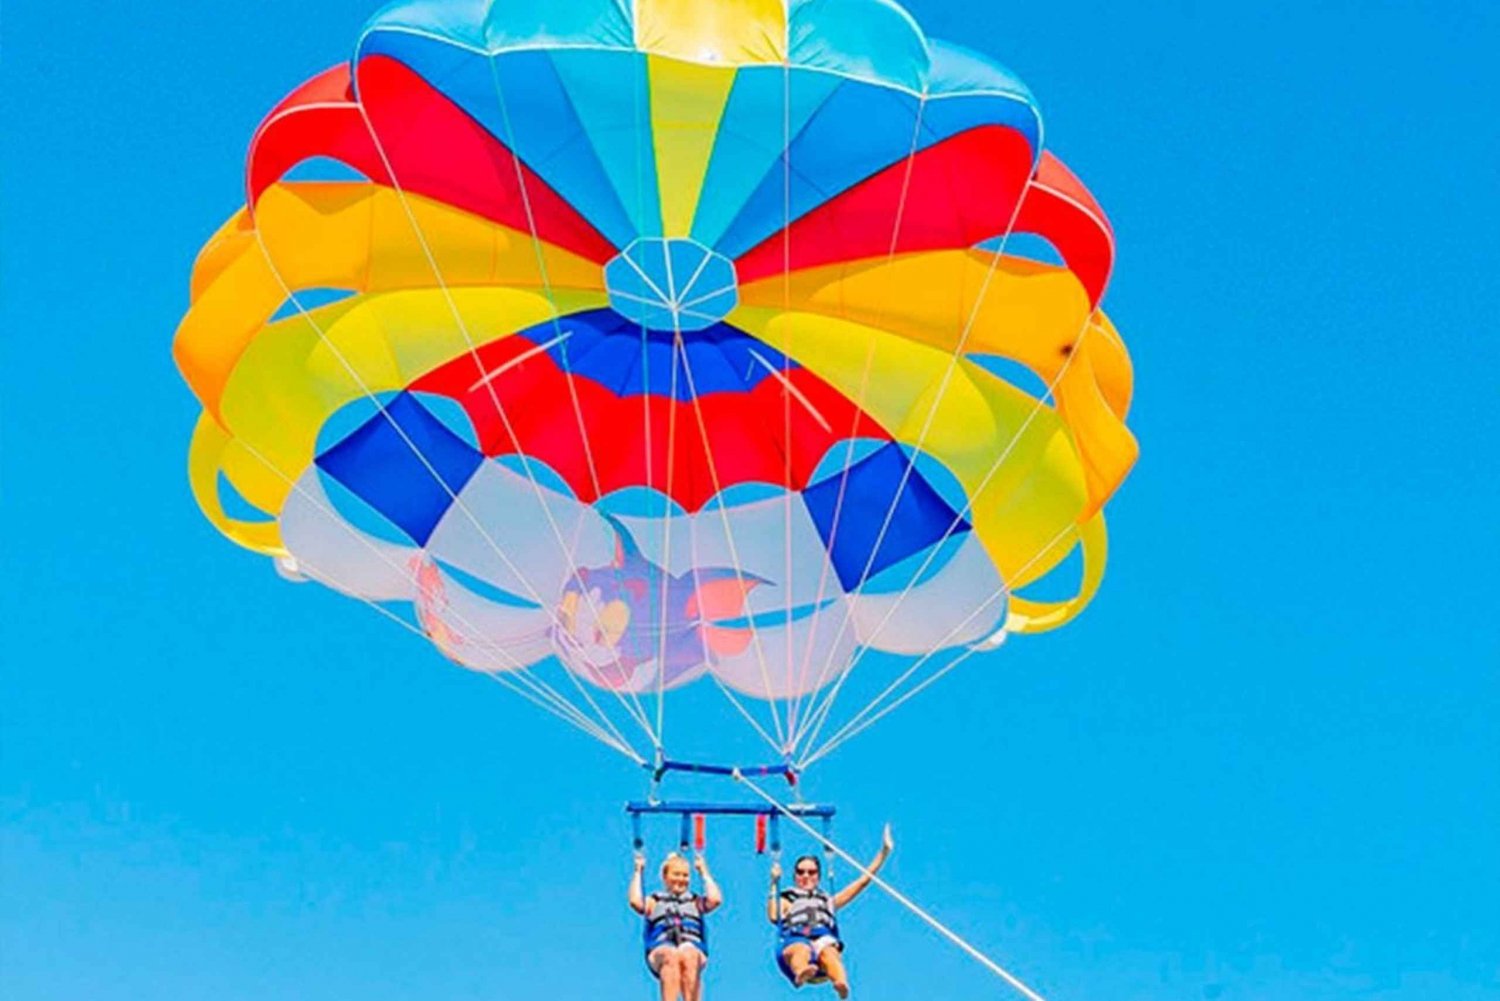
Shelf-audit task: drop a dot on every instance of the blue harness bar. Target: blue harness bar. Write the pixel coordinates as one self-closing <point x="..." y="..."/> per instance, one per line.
<point x="661" y="768"/>
<point x="637" y="808"/>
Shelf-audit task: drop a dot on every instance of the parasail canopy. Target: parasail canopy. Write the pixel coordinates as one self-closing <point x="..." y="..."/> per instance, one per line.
<point x="644" y="344"/>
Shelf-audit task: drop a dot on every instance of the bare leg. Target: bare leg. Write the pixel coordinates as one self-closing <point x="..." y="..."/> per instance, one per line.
<point x="692" y="973"/>
<point x="832" y="961"/>
<point x="799" y="958"/>
<point x="668" y="972"/>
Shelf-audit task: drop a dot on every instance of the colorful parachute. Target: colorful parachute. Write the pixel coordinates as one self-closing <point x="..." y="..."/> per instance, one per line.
<point x="664" y="340"/>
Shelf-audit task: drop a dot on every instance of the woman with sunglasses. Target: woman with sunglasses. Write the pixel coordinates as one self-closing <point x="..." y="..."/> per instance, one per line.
<point x="808" y="948"/>
<point x="676" y="936"/>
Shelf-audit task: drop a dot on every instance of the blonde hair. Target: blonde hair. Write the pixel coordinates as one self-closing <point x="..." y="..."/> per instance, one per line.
<point x="674" y="857"/>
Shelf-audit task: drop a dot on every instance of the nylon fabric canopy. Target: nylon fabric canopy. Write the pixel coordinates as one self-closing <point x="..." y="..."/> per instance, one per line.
<point x="651" y="342"/>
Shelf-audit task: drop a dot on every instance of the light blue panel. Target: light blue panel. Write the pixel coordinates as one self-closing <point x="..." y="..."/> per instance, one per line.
<point x="493" y="27"/>
<point x="873" y="40"/>
<point x="766" y="106"/>
<point x="610" y="95"/>
<point x="966" y="90"/>
<point x="957" y="70"/>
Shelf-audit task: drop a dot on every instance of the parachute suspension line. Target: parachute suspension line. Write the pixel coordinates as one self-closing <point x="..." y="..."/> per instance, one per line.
<point x="679" y="352"/>
<point x="850" y="730"/>
<point x="414" y="449"/>
<point x="734" y="555"/>
<point x="806" y="692"/>
<point x="666" y="522"/>
<point x="927" y="918"/>
<point x="462" y="327"/>
<point x="734" y="700"/>
<point x="932" y="410"/>
<point x="906" y="473"/>
<point x="646" y="433"/>
<point x="646" y="428"/>
<point x="635" y="712"/>
<point x="1085" y="328"/>
<point x="518" y="680"/>
<point x="583" y="435"/>
<point x="854" y="726"/>
<point x="786" y="386"/>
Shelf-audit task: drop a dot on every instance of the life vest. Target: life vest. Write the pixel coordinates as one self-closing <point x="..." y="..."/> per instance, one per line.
<point x="674" y="918"/>
<point x="807" y="914"/>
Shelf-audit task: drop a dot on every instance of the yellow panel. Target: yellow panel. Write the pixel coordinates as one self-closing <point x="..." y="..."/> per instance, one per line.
<point x="730" y="32"/>
<point x="687" y="101"/>
<point x="352" y="236"/>
<point x="205" y="458"/>
<point x="295" y="373"/>
<point x="1034" y="314"/>
<point x="1028" y="616"/>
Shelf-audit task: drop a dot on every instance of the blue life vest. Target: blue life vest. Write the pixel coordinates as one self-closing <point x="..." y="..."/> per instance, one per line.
<point x="675" y="918"/>
<point x="807" y="914"/>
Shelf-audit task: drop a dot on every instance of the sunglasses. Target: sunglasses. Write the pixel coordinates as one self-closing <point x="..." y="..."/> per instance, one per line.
<point x="804" y="871"/>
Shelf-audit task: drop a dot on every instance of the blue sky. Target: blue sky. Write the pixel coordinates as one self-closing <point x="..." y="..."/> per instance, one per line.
<point x="1262" y="766"/>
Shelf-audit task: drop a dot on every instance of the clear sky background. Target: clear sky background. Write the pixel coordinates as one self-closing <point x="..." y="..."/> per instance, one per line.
<point x="1263" y="766"/>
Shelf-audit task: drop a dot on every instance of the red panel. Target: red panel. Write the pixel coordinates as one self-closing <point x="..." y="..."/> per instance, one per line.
<point x="439" y="151"/>
<point x="319" y="118"/>
<point x="957" y="192"/>
<point x="1058" y="208"/>
<point x="746" y="432"/>
<point x="433" y="148"/>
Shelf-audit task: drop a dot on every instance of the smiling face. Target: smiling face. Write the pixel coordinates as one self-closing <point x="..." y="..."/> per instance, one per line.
<point x="806" y="872"/>
<point x="676" y="874"/>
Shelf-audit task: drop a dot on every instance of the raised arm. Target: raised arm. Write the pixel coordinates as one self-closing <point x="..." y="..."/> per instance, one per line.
<point x="855" y="888"/>
<point x="773" y="899"/>
<point x="712" y="896"/>
<point x="634" y="896"/>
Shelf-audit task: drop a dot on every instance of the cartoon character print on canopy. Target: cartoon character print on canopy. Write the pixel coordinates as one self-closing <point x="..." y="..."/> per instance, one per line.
<point x="666" y="339"/>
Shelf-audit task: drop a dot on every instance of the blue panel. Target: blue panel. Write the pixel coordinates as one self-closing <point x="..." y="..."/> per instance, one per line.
<point x="380" y="465"/>
<point x="856" y="132"/>
<point x="615" y="352"/>
<point x="948" y="115"/>
<point x="843" y="131"/>
<point x="920" y="518"/>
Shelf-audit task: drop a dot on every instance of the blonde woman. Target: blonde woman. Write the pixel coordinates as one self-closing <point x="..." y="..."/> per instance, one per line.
<point x="676" y="937"/>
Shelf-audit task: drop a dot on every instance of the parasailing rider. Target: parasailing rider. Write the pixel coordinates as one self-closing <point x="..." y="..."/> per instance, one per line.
<point x="808" y="947"/>
<point x="676" y="936"/>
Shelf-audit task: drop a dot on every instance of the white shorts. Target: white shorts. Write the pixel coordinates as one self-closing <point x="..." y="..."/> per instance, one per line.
<point x="657" y="956"/>
<point x="820" y="943"/>
<point x="817" y="945"/>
